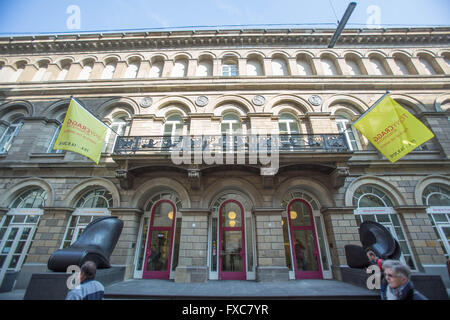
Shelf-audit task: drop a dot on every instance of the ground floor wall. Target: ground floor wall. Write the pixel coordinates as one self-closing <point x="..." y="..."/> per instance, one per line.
<point x="270" y="252"/>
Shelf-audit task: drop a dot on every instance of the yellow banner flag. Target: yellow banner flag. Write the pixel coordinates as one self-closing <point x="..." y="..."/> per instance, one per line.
<point x="392" y="129"/>
<point x="81" y="132"/>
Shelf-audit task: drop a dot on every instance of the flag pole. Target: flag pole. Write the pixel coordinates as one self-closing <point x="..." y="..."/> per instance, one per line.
<point x="373" y="106"/>
<point x="71" y="97"/>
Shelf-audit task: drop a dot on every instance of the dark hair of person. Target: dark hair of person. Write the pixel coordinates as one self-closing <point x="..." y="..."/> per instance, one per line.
<point x="89" y="269"/>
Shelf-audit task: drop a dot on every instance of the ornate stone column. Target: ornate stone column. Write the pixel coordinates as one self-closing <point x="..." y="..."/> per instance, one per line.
<point x="271" y="257"/>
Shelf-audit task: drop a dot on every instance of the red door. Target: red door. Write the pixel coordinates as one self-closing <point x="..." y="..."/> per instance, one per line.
<point x="232" y="241"/>
<point x="303" y="240"/>
<point x="159" y="243"/>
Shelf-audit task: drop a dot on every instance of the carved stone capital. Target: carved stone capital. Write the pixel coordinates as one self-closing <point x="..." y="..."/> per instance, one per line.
<point x="125" y="178"/>
<point x="194" y="176"/>
<point x="338" y="176"/>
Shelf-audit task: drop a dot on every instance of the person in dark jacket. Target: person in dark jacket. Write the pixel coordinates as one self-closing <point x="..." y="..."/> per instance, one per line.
<point x="89" y="288"/>
<point x="400" y="287"/>
<point x="374" y="260"/>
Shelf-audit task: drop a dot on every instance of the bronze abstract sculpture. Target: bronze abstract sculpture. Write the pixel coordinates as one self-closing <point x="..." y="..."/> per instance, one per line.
<point x="96" y="244"/>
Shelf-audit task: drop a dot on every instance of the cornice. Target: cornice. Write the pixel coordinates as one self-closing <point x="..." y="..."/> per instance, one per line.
<point x="216" y="38"/>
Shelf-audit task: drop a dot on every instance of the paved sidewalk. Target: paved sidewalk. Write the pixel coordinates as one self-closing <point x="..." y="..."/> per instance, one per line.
<point x="168" y="289"/>
<point x="294" y="289"/>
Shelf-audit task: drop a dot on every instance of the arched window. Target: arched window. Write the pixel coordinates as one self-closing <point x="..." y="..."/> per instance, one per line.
<point x="17" y="229"/>
<point x="40" y="74"/>
<point x="86" y="71"/>
<point x="288" y="124"/>
<point x="108" y="72"/>
<point x="132" y="69"/>
<point x="402" y="65"/>
<point x="204" y="68"/>
<point x="304" y="66"/>
<point x="180" y="68"/>
<point x="63" y="72"/>
<point x="425" y="62"/>
<point x="50" y="149"/>
<point x="328" y="66"/>
<point x="33" y="198"/>
<point x="377" y="66"/>
<point x="95" y="198"/>
<point x="173" y="126"/>
<point x="118" y="125"/>
<point x="99" y="198"/>
<point x="230" y="124"/>
<point x="437" y="197"/>
<point x="230" y="67"/>
<point x="20" y="66"/>
<point x="374" y="205"/>
<point x="353" y="67"/>
<point x="9" y="134"/>
<point x="344" y="126"/>
<point x="279" y="67"/>
<point x="254" y="68"/>
<point x="156" y="69"/>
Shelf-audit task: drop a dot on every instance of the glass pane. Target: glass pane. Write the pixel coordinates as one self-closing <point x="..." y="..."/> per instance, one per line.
<point x="12" y="233"/>
<point x="304" y="250"/>
<point x="19" y="219"/>
<point x="142" y="244"/>
<point x="399" y="232"/>
<point x="383" y="218"/>
<point x="25" y="234"/>
<point x="231" y="215"/>
<point x="85" y="219"/>
<point x="163" y="215"/>
<point x="299" y="214"/>
<point x="7" y="247"/>
<point x="410" y="262"/>
<point x="159" y="250"/>
<point x="20" y="247"/>
<point x="7" y="221"/>
<point x="214" y="245"/>
<point x="321" y="244"/>
<point x="395" y="220"/>
<point x="14" y="261"/>
<point x="287" y="245"/>
<point x="231" y="251"/>
<point x="176" y="246"/>
<point x="2" y="260"/>
<point x="2" y="233"/>
<point x="32" y="219"/>
<point x="369" y="200"/>
<point x="440" y="217"/>
<point x="249" y="242"/>
<point x="368" y="217"/>
<point x="404" y="247"/>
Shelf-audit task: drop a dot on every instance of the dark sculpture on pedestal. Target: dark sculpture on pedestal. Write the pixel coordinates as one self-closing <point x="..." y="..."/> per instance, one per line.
<point x="376" y="237"/>
<point x="96" y="244"/>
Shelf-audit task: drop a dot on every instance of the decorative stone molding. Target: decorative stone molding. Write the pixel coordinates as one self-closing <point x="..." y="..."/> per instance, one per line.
<point x="125" y="178"/>
<point x="338" y="176"/>
<point x="194" y="176"/>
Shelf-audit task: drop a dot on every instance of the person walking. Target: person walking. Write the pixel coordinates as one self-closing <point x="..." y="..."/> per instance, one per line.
<point x="400" y="287"/>
<point x="89" y="288"/>
<point x="374" y="260"/>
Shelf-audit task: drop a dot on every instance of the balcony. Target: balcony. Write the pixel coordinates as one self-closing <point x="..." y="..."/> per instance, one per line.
<point x="294" y="143"/>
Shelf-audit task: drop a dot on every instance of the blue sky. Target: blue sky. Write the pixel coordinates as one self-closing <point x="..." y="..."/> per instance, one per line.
<point x="50" y="16"/>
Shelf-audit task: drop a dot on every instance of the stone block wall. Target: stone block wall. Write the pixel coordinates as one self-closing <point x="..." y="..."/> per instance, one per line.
<point x="271" y="259"/>
<point x="49" y="234"/>
<point x="193" y="248"/>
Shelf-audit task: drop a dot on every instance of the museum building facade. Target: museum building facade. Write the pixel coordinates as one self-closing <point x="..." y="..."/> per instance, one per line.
<point x="278" y="207"/>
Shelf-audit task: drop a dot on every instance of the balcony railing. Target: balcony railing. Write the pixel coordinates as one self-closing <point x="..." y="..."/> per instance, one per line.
<point x="293" y="143"/>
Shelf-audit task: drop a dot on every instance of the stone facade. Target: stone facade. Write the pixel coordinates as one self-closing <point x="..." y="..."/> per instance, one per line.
<point x="296" y="78"/>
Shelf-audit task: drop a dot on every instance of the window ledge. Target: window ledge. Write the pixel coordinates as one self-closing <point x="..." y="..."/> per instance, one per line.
<point x="47" y="155"/>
